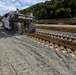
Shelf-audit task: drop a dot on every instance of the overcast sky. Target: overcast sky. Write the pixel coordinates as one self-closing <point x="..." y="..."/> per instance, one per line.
<point x="11" y="5"/>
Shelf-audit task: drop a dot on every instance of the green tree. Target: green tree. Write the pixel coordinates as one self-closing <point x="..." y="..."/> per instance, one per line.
<point x="37" y="15"/>
<point x="52" y="9"/>
<point x="43" y="14"/>
<point x="0" y="18"/>
<point x="59" y="12"/>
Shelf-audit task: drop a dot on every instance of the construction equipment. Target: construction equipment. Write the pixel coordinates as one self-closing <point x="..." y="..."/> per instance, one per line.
<point x="19" y="22"/>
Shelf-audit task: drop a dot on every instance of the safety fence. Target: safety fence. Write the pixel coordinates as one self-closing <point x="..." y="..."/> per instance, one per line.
<point x="57" y="21"/>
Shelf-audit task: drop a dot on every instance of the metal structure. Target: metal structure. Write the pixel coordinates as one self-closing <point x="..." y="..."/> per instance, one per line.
<point x="19" y="22"/>
<point x="58" y="21"/>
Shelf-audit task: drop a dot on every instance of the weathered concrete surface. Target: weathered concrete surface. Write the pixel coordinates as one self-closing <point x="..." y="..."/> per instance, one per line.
<point x="23" y="56"/>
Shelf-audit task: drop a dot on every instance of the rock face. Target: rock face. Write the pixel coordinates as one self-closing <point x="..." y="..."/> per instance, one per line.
<point x="20" y="55"/>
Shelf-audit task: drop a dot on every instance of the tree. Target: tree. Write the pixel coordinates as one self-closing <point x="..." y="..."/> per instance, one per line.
<point x="52" y="9"/>
<point x="59" y="12"/>
<point x="0" y="18"/>
<point x="43" y="14"/>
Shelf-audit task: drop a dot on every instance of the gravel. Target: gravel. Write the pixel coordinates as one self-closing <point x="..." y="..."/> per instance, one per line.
<point x="20" y="55"/>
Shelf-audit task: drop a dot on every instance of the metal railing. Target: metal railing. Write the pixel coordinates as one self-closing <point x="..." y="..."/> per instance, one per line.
<point x="57" y="21"/>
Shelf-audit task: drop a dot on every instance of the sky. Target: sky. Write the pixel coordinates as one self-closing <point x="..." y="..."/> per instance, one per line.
<point x="11" y="5"/>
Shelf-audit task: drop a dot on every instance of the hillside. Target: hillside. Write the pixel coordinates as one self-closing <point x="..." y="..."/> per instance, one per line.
<point x="52" y="9"/>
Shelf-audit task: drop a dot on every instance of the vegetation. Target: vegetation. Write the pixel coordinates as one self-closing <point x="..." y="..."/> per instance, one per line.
<point x="0" y="18"/>
<point x="52" y="9"/>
